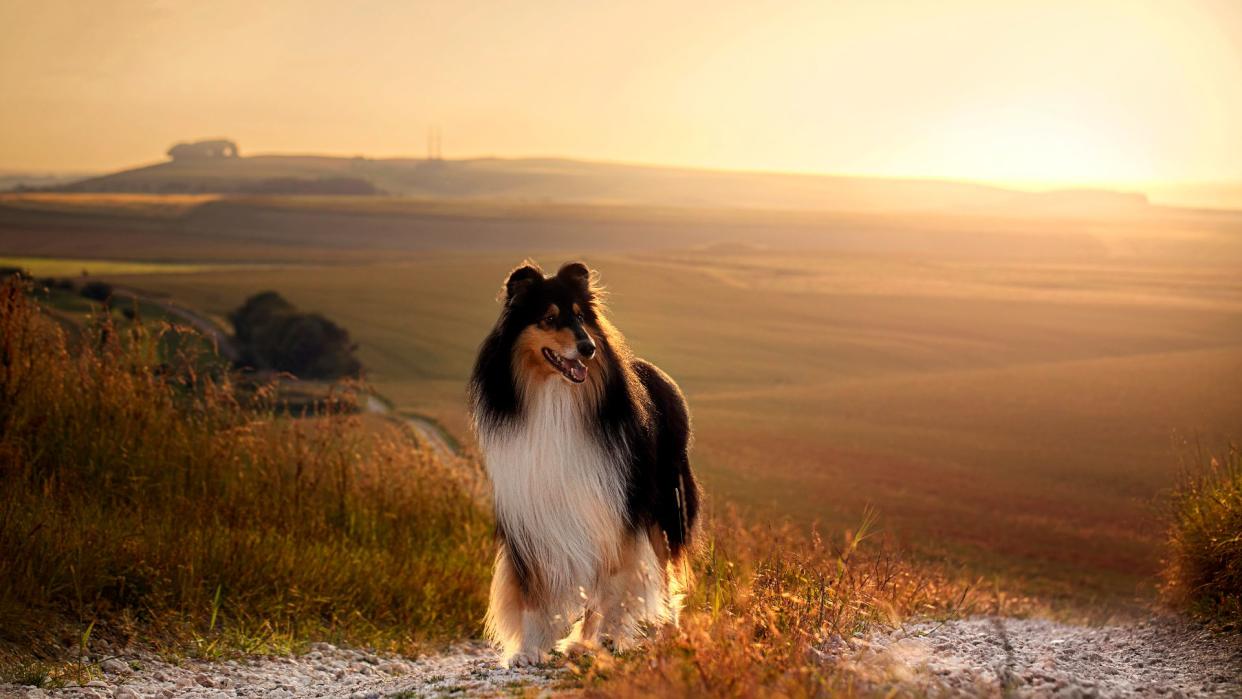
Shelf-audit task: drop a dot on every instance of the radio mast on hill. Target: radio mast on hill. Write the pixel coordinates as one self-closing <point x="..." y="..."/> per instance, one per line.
<point x="434" y="143"/>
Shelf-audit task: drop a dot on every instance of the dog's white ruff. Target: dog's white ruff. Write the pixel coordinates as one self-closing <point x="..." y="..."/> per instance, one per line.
<point x="560" y="497"/>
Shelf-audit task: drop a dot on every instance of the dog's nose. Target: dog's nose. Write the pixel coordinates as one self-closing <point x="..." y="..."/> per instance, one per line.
<point x="586" y="348"/>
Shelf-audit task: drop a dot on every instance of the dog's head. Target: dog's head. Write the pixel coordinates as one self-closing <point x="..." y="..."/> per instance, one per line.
<point x="555" y="318"/>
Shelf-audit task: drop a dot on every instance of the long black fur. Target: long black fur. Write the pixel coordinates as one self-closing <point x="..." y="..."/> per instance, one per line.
<point x="642" y="413"/>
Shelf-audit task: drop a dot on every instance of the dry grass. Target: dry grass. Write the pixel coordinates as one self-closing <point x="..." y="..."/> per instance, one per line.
<point x="142" y="500"/>
<point x="772" y="607"/>
<point x="1203" y="571"/>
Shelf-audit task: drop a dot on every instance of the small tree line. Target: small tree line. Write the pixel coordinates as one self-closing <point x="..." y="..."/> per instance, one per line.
<point x="273" y="335"/>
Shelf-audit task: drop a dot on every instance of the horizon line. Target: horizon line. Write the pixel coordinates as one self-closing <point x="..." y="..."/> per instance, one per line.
<point x="1029" y="184"/>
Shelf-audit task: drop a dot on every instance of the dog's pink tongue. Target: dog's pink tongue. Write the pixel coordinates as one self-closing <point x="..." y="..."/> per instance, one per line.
<point x="577" y="369"/>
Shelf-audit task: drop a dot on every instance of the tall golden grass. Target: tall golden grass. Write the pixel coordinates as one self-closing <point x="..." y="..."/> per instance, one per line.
<point x="775" y="611"/>
<point x="155" y="502"/>
<point x="1203" y="569"/>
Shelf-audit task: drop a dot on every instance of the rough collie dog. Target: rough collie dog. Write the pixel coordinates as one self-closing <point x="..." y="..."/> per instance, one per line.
<point x="586" y="447"/>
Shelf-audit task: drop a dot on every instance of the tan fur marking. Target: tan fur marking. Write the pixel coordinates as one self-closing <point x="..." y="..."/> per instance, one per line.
<point x="530" y="365"/>
<point x="529" y="362"/>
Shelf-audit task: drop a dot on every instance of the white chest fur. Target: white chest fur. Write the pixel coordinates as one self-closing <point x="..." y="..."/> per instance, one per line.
<point x="559" y="495"/>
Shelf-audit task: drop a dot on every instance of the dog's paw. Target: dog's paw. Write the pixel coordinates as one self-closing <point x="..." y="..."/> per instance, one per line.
<point x="620" y="643"/>
<point x="576" y="649"/>
<point x="524" y="658"/>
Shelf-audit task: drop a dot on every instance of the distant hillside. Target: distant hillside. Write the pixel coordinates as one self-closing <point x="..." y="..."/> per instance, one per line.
<point x="12" y="180"/>
<point x="572" y="181"/>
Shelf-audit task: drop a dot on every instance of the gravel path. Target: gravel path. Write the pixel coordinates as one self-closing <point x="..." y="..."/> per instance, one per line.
<point x="326" y="671"/>
<point x="1161" y="657"/>
<point x="984" y="657"/>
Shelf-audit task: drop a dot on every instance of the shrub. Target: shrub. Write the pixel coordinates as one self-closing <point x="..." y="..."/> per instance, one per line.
<point x="309" y="345"/>
<point x="274" y="335"/>
<point x="158" y="502"/>
<point x="257" y="313"/>
<point x="1203" y="570"/>
<point x="97" y="291"/>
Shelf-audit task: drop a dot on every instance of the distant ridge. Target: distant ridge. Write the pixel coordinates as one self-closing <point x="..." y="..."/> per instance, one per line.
<point x="21" y="180"/>
<point x="576" y="181"/>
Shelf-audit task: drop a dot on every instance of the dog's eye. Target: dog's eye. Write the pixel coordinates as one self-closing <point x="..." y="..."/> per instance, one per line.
<point x="580" y="318"/>
<point x="549" y="319"/>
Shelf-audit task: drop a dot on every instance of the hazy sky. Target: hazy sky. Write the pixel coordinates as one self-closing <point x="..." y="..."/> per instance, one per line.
<point x="1043" y="90"/>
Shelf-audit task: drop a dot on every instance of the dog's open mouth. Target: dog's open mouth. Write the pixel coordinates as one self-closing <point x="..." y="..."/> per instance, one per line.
<point x="572" y="369"/>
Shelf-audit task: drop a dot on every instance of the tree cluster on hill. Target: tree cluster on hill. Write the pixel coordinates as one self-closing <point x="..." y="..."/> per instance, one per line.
<point x="273" y="334"/>
<point x="199" y="150"/>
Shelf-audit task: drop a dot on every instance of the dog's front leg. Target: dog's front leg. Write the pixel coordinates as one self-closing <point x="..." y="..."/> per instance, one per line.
<point x="584" y="637"/>
<point x="538" y="636"/>
<point x="518" y="622"/>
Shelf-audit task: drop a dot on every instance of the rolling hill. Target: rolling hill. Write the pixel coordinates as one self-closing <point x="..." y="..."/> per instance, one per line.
<point x="572" y="181"/>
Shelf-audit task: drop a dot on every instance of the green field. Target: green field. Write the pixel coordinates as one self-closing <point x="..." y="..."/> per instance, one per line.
<point x="67" y="267"/>
<point x="1010" y="399"/>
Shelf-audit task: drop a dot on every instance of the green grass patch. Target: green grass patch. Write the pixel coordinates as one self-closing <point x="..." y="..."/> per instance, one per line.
<point x="71" y="267"/>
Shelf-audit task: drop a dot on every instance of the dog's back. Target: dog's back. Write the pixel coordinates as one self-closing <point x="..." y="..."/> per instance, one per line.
<point x="670" y="490"/>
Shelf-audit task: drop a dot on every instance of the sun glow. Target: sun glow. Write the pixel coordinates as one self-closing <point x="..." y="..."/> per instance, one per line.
<point x="1054" y="91"/>
<point x="1015" y="143"/>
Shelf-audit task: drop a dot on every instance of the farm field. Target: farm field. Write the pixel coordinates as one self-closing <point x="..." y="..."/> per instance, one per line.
<point x="1016" y="407"/>
<point x="69" y="267"/>
<point x="1036" y="431"/>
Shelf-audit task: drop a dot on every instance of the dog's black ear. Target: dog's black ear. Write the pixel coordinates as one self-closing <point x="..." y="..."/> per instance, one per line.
<point x="577" y="274"/>
<point x="521" y="279"/>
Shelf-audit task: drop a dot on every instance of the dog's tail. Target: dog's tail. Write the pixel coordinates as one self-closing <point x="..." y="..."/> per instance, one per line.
<point x="678" y="571"/>
<point x="686" y="504"/>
